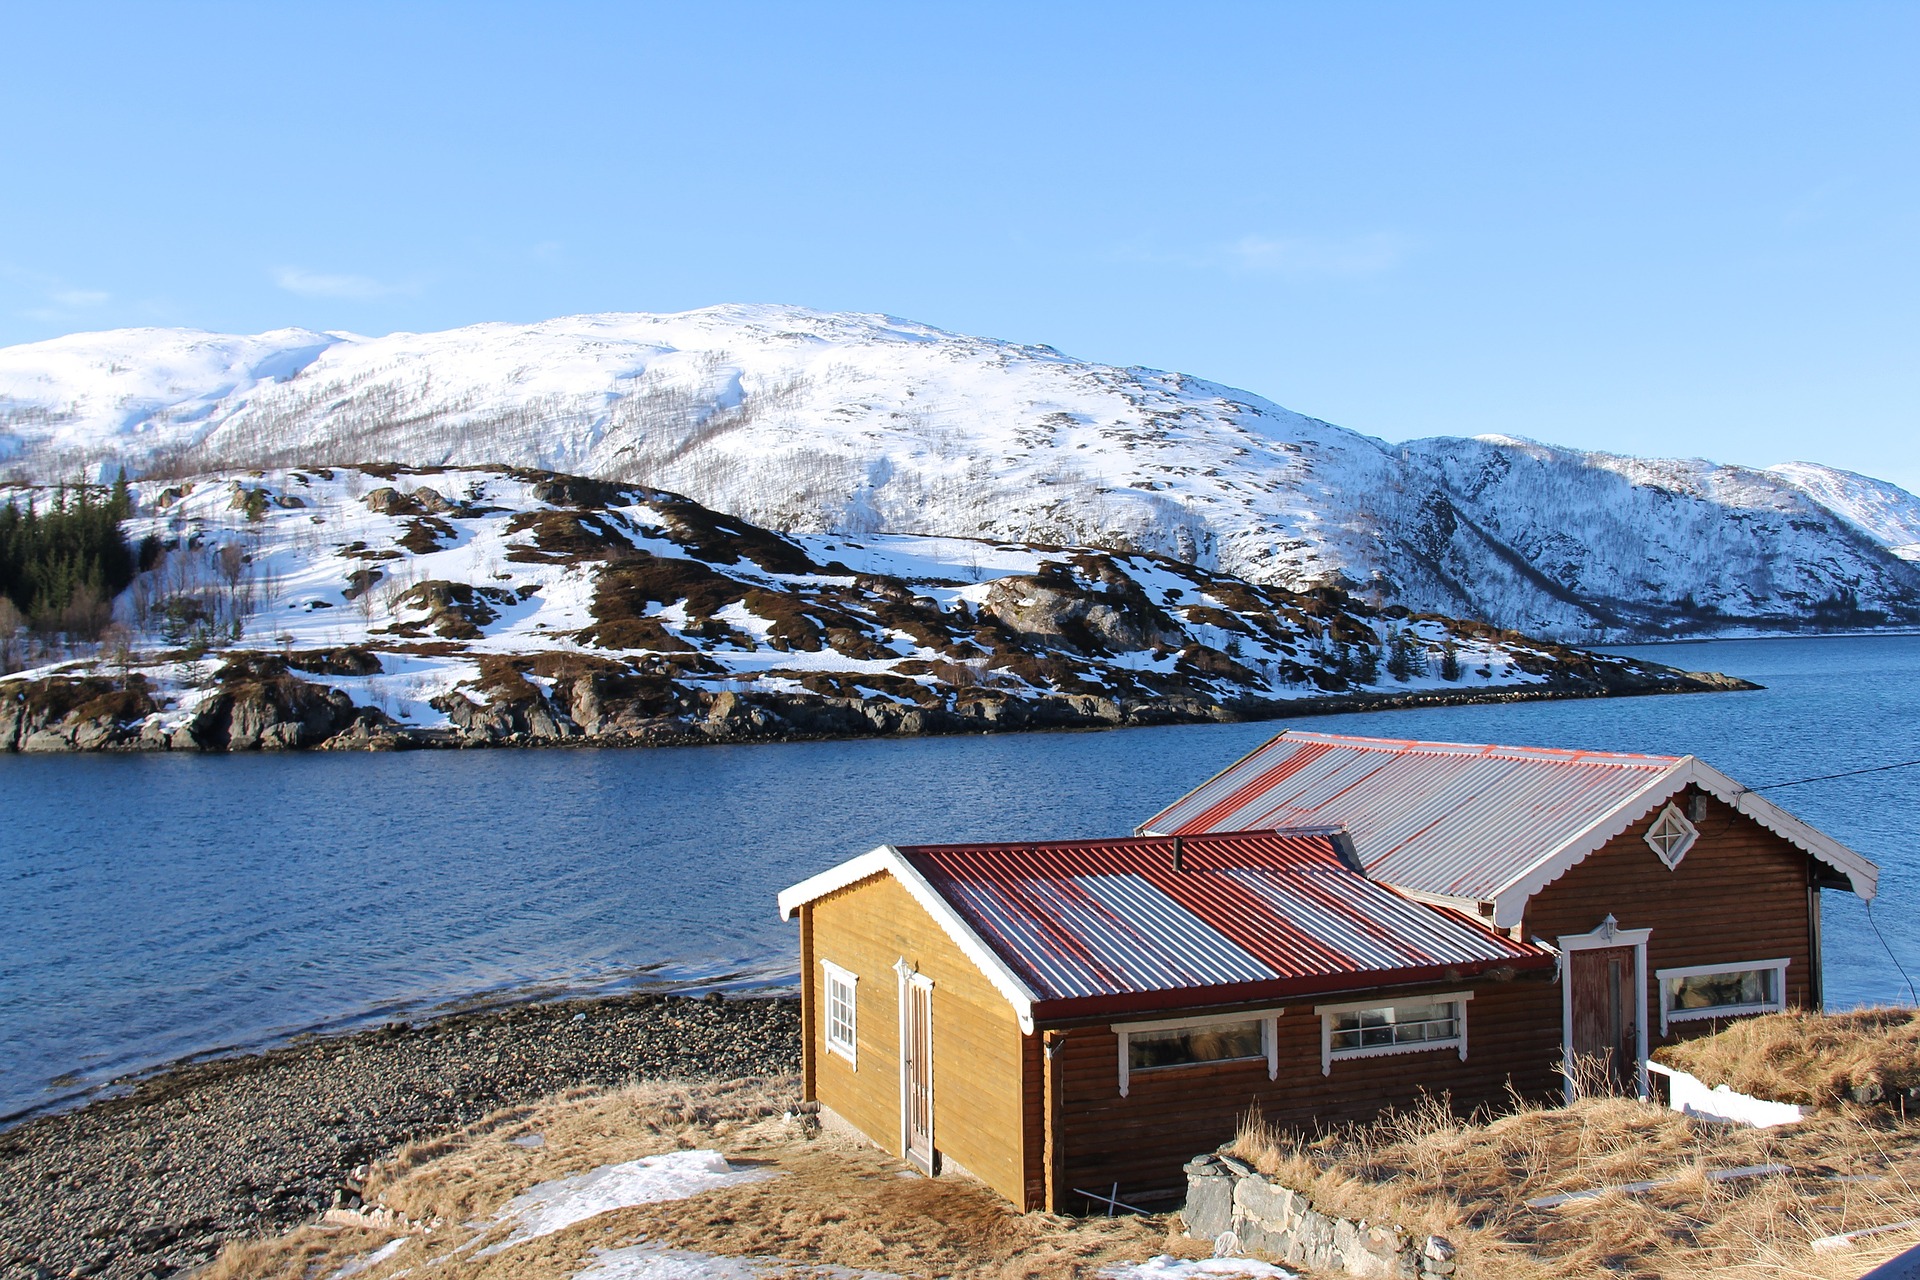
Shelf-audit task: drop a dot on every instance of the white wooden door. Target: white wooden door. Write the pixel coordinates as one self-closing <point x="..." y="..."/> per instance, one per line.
<point x="916" y="1069"/>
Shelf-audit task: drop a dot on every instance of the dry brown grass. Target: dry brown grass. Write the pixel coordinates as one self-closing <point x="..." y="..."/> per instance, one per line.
<point x="1809" y="1058"/>
<point x="1469" y="1178"/>
<point x="836" y="1202"/>
<point x="298" y="1253"/>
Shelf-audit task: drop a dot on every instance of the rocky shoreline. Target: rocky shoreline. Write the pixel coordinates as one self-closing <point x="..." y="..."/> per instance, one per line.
<point x="154" y="1182"/>
<point x="268" y="708"/>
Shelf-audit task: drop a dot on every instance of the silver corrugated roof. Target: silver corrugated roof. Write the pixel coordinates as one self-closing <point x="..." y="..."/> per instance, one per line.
<point x="1276" y="911"/>
<point x="1445" y="818"/>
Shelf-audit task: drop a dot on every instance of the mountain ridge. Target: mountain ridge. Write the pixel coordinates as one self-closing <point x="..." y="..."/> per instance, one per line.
<point x="385" y="606"/>
<point x="818" y="422"/>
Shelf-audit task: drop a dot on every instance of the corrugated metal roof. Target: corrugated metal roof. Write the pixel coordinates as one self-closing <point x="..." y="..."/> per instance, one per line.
<point x="1249" y="915"/>
<point x="1436" y="817"/>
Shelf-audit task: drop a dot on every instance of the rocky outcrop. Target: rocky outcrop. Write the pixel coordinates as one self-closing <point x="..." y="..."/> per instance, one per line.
<point x="254" y="704"/>
<point x="453" y="610"/>
<point x="1231" y="1206"/>
<point x="61" y="713"/>
<point x="259" y="705"/>
<point x="1103" y="612"/>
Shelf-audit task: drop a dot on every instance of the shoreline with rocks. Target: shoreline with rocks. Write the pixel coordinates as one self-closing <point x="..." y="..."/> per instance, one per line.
<point x="275" y="711"/>
<point x="156" y="1180"/>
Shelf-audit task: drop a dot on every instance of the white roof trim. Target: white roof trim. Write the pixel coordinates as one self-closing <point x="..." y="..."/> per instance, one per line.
<point x="1469" y="907"/>
<point x="888" y="860"/>
<point x="1510" y="900"/>
<point x="850" y="872"/>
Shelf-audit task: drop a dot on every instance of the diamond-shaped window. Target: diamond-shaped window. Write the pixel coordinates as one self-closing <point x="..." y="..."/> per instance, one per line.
<point x="1671" y="835"/>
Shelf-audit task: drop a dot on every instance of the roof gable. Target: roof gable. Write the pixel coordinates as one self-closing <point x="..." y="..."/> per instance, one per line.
<point x="1472" y="823"/>
<point x="886" y="860"/>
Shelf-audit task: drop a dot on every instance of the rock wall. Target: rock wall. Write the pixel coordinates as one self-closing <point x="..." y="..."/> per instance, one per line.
<point x="1226" y="1197"/>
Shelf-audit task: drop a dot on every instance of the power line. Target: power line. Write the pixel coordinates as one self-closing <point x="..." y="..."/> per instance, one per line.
<point x="1854" y="773"/>
<point x="1828" y="777"/>
<point x="1913" y="999"/>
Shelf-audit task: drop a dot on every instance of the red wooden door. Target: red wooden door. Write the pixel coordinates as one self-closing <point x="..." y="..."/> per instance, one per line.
<point x="1606" y="1013"/>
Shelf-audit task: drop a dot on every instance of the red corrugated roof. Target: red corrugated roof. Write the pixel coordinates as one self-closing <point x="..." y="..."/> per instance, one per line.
<point x="1099" y="926"/>
<point x="1458" y="819"/>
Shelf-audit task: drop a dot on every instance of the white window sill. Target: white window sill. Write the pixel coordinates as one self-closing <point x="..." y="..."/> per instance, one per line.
<point x="1188" y="1066"/>
<point x="1723" y="1011"/>
<point x="1389" y="1050"/>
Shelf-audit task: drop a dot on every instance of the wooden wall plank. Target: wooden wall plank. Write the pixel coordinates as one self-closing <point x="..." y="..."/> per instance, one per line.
<point x="1174" y="1114"/>
<point x="978" y="1051"/>
<point x="1740" y="893"/>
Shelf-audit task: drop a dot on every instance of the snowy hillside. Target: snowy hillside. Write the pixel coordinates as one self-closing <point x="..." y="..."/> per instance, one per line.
<point x="1685" y="542"/>
<point x="818" y="423"/>
<point x="1886" y="513"/>
<point x="292" y="608"/>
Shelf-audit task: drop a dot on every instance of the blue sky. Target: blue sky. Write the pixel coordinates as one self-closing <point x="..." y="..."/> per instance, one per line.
<point x="1686" y="229"/>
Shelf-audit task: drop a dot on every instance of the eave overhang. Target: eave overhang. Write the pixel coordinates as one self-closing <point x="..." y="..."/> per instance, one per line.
<point x="1184" y="999"/>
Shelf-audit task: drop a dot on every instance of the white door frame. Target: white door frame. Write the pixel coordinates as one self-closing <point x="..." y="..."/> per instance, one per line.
<point x="1607" y="934"/>
<point x="911" y="978"/>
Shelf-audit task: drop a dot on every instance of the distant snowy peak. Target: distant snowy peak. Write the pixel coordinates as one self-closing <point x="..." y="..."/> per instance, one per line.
<point x="817" y="422"/>
<point x="1884" y="512"/>
<point x="1673" y="544"/>
<point x="130" y="394"/>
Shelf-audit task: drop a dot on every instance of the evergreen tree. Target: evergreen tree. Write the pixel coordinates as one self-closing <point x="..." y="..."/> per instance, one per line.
<point x="1449" y="660"/>
<point x="1400" y="651"/>
<point x="1366" y="664"/>
<point x="60" y="567"/>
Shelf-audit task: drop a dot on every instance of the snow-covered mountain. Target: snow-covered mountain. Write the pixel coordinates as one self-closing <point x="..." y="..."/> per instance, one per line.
<point x="1683" y="543"/>
<point x="359" y="607"/>
<point x="816" y="422"/>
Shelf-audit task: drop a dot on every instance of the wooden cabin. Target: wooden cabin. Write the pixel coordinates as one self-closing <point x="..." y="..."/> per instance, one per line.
<point x="1329" y="927"/>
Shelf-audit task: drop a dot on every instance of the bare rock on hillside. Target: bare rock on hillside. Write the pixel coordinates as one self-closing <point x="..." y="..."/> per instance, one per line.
<point x="1056" y="607"/>
<point x="510" y="708"/>
<point x="62" y="713"/>
<point x="389" y="501"/>
<point x="261" y="706"/>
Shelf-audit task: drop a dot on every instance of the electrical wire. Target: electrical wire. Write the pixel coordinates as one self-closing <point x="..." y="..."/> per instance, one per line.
<point x="1911" y="998"/>
<point x="1828" y="777"/>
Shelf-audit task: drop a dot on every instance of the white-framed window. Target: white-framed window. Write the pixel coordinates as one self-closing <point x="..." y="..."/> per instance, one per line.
<point x="1375" y="1028"/>
<point x="1671" y="835"/>
<point x="839" y="1005"/>
<point x="1721" y="990"/>
<point x="1172" y="1043"/>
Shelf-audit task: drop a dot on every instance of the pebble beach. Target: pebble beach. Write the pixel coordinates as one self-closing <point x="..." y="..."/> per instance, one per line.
<point x="153" y="1182"/>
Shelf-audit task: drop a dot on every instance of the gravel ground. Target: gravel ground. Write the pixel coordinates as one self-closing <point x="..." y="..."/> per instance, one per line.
<point x="154" y="1182"/>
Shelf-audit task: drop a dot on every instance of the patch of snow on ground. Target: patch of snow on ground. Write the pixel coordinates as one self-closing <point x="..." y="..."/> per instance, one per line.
<point x="1166" y="1267"/>
<point x="552" y="1206"/>
<point x="374" y="1259"/>
<point x="657" y="1262"/>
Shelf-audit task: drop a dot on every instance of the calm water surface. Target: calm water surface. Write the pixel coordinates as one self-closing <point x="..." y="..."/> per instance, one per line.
<point x="155" y="907"/>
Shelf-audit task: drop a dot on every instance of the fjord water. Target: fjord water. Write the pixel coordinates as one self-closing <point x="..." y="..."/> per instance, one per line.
<point x="158" y="906"/>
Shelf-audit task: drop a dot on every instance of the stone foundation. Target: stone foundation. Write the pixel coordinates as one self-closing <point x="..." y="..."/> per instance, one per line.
<point x="1268" y="1221"/>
